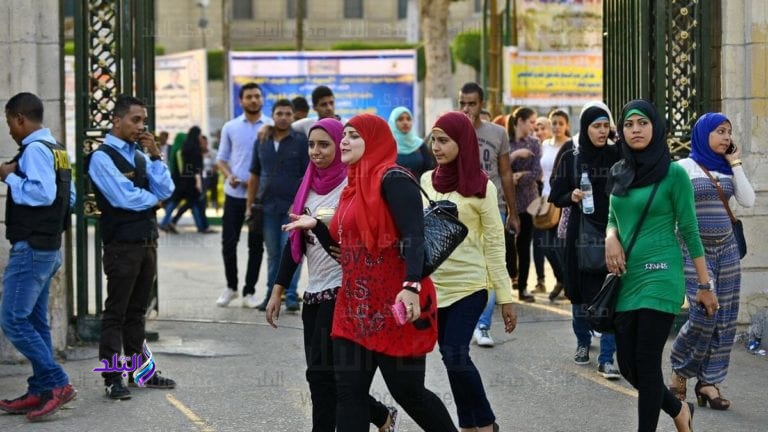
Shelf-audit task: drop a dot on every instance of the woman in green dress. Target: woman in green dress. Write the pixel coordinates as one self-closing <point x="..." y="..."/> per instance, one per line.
<point x="652" y="279"/>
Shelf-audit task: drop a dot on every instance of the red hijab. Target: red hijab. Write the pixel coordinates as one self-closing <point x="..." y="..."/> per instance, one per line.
<point x="371" y="212"/>
<point x="463" y="174"/>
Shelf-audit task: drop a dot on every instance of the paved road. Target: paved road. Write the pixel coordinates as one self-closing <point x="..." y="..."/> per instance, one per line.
<point x="235" y="373"/>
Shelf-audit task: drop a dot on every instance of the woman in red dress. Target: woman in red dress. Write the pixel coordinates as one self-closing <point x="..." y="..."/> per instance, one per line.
<point x="379" y="228"/>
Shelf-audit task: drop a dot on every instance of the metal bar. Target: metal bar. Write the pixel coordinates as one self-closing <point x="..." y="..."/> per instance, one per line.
<point x="99" y="283"/>
<point x="81" y="103"/>
<point x="662" y="68"/>
<point x="125" y="47"/>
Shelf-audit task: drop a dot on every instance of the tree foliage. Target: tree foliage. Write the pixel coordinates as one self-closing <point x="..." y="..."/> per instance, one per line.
<point x="466" y="48"/>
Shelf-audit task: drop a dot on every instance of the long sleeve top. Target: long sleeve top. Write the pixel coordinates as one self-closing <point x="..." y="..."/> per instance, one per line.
<point x="119" y="189"/>
<point x="479" y="261"/>
<point x="324" y="272"/>
<point x="654" y="277"/>
<point x="38" y="186"/>
<point x="526" y="189"/>
<point x="236" y="148"/>
<point x="399" y="192"/>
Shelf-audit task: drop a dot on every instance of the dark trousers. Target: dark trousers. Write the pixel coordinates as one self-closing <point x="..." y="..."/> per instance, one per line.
<point x="547" y="243"/>
<point x="231" y="225"/>
<point x="318" y="349"/>
<point x="130" y="270"/>
<point x="455" y="326"/>
<point x="640" y="338"/>
<point x="519" y="251"/>
<point x="404" y="376"/>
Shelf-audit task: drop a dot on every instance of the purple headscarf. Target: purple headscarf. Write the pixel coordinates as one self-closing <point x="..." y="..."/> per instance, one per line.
<point x="701" y="152"/>
<point x="320" y="180"/>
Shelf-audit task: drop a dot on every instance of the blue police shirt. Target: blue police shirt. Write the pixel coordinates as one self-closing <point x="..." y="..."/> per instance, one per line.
<point x="38" y="188"/>
<point x="119" y="189"/>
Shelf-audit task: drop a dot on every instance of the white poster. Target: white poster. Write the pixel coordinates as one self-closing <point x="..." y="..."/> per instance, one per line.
<point x="181" y="92"/>
<point x="181" y="95"/>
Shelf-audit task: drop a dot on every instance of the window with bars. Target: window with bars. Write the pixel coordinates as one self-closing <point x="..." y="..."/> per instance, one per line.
<point x="242" y="9"/>
<point x="353" y="8"/>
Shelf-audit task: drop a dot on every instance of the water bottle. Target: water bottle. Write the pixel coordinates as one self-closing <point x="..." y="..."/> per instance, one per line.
<point x="587" y="202"/>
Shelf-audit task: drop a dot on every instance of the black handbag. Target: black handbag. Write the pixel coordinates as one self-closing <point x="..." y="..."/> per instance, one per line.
<point x="602" y="308"/>
<point x="590" y="244"/>
<point x="738" y="234"/>
<point x="737" y="227"/>
<point x="590" y="247"/>
<point x="443" y="231"/>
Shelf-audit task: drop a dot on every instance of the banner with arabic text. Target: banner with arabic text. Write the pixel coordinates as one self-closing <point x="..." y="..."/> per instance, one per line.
<point x="552" y="78"/>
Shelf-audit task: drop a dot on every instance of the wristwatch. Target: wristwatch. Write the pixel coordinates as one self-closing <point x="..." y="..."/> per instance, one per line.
<point x="709" y="286"/>
<point x="155" y="158"/>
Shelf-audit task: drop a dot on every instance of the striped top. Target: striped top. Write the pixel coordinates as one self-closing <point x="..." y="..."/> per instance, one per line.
<point x="714" y="223"/>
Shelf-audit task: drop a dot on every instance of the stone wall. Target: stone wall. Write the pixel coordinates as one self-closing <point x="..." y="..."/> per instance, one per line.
<point x="31" y="51"/>
<point x="744" y="83"/>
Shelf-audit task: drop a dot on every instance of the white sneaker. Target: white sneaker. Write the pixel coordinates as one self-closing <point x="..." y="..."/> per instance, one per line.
<point x="483" y="338"/>
<point x="250" y="302"/>
<point x="226" y="296"/>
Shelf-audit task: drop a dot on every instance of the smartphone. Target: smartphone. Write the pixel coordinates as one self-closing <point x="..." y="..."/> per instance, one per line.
<point x="731" y="149"/>
<point x="398" y="312"/>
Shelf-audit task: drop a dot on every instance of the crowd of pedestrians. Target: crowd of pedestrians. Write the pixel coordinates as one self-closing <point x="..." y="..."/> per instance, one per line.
<point x="346" y="196"/>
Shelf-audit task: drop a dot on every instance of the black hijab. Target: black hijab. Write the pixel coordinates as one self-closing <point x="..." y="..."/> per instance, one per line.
<point x="644" y="167"/>
<point x="598" y="159"/>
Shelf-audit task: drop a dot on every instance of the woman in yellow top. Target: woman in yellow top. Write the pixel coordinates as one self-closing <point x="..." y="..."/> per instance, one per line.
<point x="462" y="280"/>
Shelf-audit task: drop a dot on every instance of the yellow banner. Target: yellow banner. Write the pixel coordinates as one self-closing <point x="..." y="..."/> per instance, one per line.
<point x="552" y="78"/>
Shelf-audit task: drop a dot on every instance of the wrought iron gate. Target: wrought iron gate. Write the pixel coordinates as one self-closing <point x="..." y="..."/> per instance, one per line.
<point x="666" y="51"/>
<point x="114" y="54"/>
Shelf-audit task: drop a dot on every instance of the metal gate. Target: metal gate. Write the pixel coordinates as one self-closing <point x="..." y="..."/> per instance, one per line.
<point x="114" y="54"/>
<point x="665" y="51"/>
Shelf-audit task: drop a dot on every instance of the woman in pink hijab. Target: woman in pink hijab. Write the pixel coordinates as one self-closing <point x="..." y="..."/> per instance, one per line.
<point x="318" y="196"/>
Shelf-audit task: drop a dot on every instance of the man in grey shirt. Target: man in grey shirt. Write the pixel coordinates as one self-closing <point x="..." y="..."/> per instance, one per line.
<point x="494" y="159"/>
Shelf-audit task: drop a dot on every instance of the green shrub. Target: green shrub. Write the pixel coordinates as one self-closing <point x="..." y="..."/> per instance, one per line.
<point x="466" y="48"/>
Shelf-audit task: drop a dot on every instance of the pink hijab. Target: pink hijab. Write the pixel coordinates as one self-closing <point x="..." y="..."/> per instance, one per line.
<point x="322" y="181"/>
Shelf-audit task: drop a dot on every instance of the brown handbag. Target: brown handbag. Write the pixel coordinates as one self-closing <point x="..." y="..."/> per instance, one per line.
<point x="545" y="214"/>
<point x="738" y="228"/>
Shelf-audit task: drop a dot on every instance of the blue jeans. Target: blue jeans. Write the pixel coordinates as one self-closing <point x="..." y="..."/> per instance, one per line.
<point x="26" y="284"/>
<point x="454" y="332"/>
<point x="274" y="240"/>
<point x="487" y="316"/>
<point x="584" y="337"/>
<point x="169" y="207"/>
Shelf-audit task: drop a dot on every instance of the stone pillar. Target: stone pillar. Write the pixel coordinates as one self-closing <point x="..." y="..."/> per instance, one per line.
<point x="744" y="63"/>
<point x="30" y="46"/>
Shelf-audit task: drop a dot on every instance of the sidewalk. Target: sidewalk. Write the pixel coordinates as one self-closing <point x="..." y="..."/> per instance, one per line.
<point x="235" y="373"/>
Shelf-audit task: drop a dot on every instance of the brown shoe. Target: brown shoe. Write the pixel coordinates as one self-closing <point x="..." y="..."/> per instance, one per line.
<point x="678" y="385"/>
<point x="716" y="403"/>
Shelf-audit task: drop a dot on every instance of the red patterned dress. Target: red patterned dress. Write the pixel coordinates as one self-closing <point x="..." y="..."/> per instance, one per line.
<point x="368" y="289"/>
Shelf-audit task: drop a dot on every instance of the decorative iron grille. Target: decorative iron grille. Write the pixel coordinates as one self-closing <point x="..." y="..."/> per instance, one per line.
<point x="665" y="51"/>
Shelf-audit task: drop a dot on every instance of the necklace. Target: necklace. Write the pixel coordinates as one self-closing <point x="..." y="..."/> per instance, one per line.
<point x="341" y="219"/>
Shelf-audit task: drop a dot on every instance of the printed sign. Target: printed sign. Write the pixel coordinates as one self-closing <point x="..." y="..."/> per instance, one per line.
<point x="362" y="81"/>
